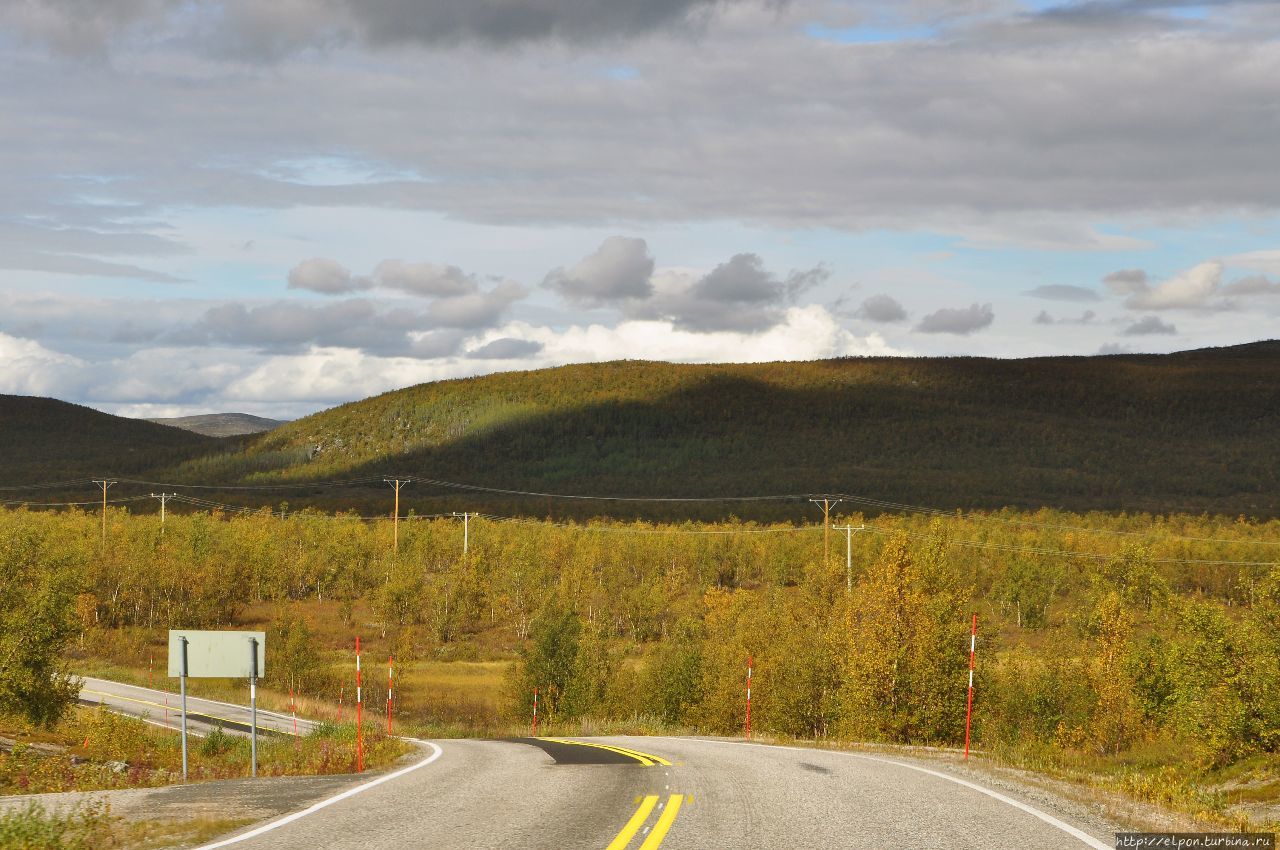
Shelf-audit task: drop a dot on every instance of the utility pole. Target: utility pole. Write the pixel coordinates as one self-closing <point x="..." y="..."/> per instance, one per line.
<point x="466" y="531"/>
<point x="826" y="504"/>
<point x="163" y="497"/>
<point x="105" y="484"/>
<point x="397" y="483"/>
<point x="848" y="553"/>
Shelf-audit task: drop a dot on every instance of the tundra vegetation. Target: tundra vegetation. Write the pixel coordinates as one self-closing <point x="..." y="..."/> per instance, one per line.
<point x="1152" y="652"/>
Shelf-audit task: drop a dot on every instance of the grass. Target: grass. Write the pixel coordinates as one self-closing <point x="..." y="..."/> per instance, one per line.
<point x="91" y="825"/>
<point x="102" y="751"/>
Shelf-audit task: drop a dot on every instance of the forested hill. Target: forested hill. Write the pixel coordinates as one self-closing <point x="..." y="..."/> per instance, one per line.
<point x="1196" y="431"/>
<point x="47" y="440"/>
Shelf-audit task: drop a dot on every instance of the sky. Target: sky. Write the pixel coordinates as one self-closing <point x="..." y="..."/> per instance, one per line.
<point x="278" y="207"/>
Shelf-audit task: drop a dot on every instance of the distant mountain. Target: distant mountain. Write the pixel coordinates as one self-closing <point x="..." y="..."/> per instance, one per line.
<point x="49" y="440"/>
<point x="222" y="424"/>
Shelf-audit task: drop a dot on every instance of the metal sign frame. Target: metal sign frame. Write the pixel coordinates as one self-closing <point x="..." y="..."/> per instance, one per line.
<point x="219" y="655"/>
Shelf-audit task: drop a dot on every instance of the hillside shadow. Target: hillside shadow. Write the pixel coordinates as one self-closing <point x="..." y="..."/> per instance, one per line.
<point x="1080" y="433"/>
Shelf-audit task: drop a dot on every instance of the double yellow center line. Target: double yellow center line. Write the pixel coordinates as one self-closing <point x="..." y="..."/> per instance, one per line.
<point x="667" y="811"/>
<point x="654" y="839"/>
<point x="646" y="759"/>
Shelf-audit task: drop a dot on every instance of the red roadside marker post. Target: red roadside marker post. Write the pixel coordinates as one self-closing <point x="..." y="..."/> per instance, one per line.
<point x="359" y="715"/>
<point x="390" y="667"/>
<point x="968" y="712"/>
<point x="748" y="724"/>
<point x="535" y="712"/>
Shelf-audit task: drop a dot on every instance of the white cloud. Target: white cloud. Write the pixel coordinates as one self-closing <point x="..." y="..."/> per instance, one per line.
<point x="28" y="368"/>
<point x="1193" y="288"/>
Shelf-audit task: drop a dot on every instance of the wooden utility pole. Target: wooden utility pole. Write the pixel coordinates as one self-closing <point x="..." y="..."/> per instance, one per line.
<point x="397" y="483"/>
<point x="848" y="553"/>
<point x="826" y="504"/>
<point x="105" y="484"/>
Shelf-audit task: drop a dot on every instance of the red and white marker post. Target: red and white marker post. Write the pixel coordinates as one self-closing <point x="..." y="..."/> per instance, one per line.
<point x="293" y="708"/>
<point x="359" y="715"/>
<point x="968" y="712"/>
<point x="391" y="661"/>
<point x="748" y="725"/>
<point x="342" y="692"/>
<point x="535" y="712"/>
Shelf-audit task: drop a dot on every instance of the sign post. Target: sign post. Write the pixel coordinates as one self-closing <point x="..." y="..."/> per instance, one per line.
<point x="253" y="706"/>
<point x="182" y="685"/>
<point x="218" y="655"/>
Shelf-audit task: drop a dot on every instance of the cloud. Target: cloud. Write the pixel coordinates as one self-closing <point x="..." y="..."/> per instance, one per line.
<point x="738" y="295"/>
<point x="28" y="368"/>
<point x="1267" y="262"/>
<point x="1111" y="348"/>
<point x="425" y="279"/>
<point x="257" y="29"/>
<point x="329" y="277"/>
<point x="1252" y="285"/>
<point x="1148" y="325"/>
<point x="963" y="321"/>
<point x="1193" y="288"/>
<point x="881" y="308"/>
<point x="619" y="269"/>
<point x="1043" y="318"/>
<point x="1126" y="281"/>
<point x="1063" y="292"/>
<point x="506" y="348"/>
<point x="475" y="310"/>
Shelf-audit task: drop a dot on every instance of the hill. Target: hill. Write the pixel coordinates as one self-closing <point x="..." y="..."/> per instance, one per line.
<point x="1193" y="431"/>
<point x="221" y="424"/>
<point x="51" y="440"/>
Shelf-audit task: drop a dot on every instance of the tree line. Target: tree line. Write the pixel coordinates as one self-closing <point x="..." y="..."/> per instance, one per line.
<point x="1099" y="633"/>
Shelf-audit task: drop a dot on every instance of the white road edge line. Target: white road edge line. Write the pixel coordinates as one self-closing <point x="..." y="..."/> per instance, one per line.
<point x="1078" y="834"/>
<point x="323" y="804"/>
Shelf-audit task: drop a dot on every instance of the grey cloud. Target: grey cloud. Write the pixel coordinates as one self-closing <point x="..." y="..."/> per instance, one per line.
<point x="80" y="266"/>
<point x="1043" y="318"/>
<point x="917" y="142"/>
<point x="506" y="348"/>
<point x="620" y="268"/>
<point x="270" y="30"/>
<point x="1114" y="348"/>
<point x="1126" y="281"/>
<point x="475" y="310"/>
<point x="1063" y="292"/>
<point x="963" y="321"/>
<point x="326" y="276"/>
<point x="1252" y="285"/>
<point x="738" y="295"/>
<point x="384" y="329"/>
<point x="425" y="279"/>
<point x="881" y="308"/>
<point x="1148" y="325"/>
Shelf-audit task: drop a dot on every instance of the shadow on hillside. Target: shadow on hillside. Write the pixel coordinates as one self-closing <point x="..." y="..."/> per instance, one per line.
<point x="1080" y="433"/>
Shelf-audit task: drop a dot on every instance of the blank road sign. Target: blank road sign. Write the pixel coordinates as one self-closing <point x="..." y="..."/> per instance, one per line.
<point x="216" y="654"/>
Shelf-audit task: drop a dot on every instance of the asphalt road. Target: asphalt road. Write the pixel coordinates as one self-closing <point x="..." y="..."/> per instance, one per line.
<point x="711" y="795"/>
<point x="647" y="793"/>
<point x="164" y="709"/>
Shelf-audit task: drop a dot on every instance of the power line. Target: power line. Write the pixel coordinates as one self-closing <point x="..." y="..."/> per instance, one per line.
<point x="476" y="488"/>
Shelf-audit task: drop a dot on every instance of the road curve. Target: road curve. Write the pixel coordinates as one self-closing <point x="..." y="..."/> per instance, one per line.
<point x="713" y="794"/>
<point x="164" y="709"/>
